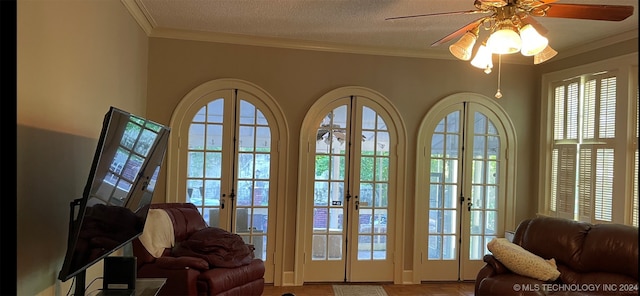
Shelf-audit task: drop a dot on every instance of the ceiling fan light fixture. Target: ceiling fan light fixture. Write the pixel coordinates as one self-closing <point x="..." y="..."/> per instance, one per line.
<point x="546" y="54"/>
<point x="483" y="58"/>
<point x="532" y="42"/>
<point x="505" y="39"/>
<point x="513" y="28"/>
<point x="463" y="48"/>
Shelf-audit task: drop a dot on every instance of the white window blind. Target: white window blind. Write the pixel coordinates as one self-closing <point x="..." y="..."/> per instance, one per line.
<point x="589" y="144"/>
<point x="634" y="219"/>
<point x="559" y="118"/>
<point x="607" y="113"/>
<point x="564" y="169"/>
<point x="564" y="154"/>
<point x="634" y="215"/>
<point x="583" y="155"/>
<point x="603" y="185"/>
<point x="586" y="190"/>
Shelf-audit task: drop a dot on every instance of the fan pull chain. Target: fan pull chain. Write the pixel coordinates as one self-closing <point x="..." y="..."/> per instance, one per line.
<point x="498" y="93"/>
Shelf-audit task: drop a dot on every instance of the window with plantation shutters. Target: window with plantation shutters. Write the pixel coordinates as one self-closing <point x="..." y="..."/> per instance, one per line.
<point x="583" y="154"/>
<point x="597" y="149"/>
<point x="564" y="159"/>
<point x="563" y="191"/>
<point x="592" y="174"/>
<point x="634" y="207"/>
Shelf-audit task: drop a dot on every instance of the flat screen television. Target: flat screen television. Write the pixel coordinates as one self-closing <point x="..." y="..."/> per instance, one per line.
<point x="113" y="208"/>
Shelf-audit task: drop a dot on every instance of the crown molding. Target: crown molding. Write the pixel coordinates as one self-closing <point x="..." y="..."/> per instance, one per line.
<point x="595" y="44"/>
<point x="146" y="22"/>
<point x="314" y="45"/>
<point x="140" y="15"/>
<point x="293" y="44"/>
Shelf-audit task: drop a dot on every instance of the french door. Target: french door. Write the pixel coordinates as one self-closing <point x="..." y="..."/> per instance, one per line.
<point x="350" y="209"/>
<point x="228" y="167"/>
<point x="466" y="172"/>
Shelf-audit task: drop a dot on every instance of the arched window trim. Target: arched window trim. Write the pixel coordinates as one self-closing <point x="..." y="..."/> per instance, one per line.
<point x="197" y="97"/>
<point x="309" y="125"/>
<point x="422" y="166"/>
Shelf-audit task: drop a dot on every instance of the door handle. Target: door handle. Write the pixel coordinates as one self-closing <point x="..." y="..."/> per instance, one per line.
<point x="357" y="202"/>
<point x="469" y="204"/>
<point x="222" y="202"/>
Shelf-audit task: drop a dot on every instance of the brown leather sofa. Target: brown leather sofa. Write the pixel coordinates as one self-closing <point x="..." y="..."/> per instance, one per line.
<point x="600" y="259"/>
<point x="188" y="275"/>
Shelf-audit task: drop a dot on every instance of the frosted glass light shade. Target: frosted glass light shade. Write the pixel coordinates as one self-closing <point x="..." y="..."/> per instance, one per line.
<point x="482" y="59"/>
<point x="532" y="41"/>
<point x="546" y="54"/>
<point x="504" y="40"/>
<point x="464" y="46"/>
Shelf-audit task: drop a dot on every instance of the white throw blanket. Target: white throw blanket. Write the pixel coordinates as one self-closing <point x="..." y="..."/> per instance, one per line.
<point x="158" y="232"/>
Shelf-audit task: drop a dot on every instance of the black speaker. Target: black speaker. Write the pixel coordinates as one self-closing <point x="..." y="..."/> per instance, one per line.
<point x="119" y="273"/>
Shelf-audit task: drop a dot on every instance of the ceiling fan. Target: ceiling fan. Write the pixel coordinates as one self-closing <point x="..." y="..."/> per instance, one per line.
<point x="519" y="13"/>
<point x="513" y="28"/>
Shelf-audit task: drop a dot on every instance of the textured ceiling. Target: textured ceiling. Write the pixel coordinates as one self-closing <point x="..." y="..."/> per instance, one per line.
<point x="353" y="25"/>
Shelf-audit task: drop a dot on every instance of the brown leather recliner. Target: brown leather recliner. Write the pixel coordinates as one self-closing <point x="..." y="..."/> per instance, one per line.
<point x="192" y="275"/>
<point x="593" y="259"/>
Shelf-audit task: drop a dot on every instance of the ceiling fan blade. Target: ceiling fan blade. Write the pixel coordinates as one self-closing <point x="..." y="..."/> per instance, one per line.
<point x="439" y="13"/>
<point x="459" y="32"/>
<point x="589" y="12"/>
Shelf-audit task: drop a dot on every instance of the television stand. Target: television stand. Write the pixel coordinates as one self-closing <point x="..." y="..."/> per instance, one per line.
<point x="144" y="287"/>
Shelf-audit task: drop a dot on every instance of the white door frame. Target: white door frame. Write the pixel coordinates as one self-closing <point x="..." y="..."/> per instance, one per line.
<point x="422" y="168"/>
<point x="179" y="122"/>
<point x="305" y="189"/>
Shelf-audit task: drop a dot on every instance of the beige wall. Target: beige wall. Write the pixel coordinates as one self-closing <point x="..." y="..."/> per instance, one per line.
<point x="75" y="59"/>
<point x="296" y="78"/>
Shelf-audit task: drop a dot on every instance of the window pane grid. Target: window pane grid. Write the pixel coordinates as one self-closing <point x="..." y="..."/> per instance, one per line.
<point x="373" y="199"/>
<point x="204" y="162"/>
<point x="205" y="174"/>
<point x="443" y="180"/>
<point x="484" y="179"/>
<point x="329" y="192"/>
